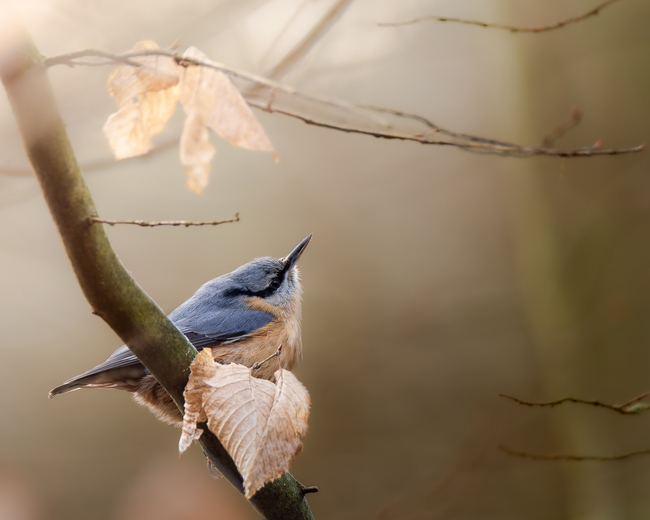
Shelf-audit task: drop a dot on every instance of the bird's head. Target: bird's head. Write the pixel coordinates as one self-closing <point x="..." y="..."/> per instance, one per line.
<point x="238" y="304"/>
<point x="273" y="280"/>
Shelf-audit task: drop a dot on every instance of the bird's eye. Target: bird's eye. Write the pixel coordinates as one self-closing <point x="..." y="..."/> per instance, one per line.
<point x="275" y="284"/>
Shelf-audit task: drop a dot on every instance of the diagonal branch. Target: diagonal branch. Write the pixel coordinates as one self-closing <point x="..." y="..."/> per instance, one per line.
<point x="314" y="35"/>
<point x="511" y="28"/>
<point x="108" y="287"/>
<point x="347" y="117"/>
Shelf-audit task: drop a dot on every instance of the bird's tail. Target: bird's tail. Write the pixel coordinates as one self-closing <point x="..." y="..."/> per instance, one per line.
<point x="122" y="379"/>
<point x="63" y="389"/>
<point x="79" y="382"/>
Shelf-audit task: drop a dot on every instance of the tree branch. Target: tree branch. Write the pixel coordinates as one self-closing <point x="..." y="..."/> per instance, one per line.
<point x="511" y="28"/>
<point x="107" y="286"/>
<point x="631" y="407"/>
<point x="575" y="458"/>
<point x="369" y="120"/>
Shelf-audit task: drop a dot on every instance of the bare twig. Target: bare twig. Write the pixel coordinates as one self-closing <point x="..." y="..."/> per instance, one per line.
<point x="474" y="144"/>
<point x="371" y="119"/>
<point x="631" y="407"/>
<point x="561" y="129"/>
<point x="68" y="59"/>
<point x="144" y="223"/>
<point x="577" y="458"/>
<point x="71" y="59"/>
<point x="511" y="28"/>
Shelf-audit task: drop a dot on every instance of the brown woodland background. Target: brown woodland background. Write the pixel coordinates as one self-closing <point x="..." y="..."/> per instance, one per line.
<point x="436" y="279"/>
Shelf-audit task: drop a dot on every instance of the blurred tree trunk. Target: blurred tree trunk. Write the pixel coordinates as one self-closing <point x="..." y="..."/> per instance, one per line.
<point x="554" y="303"/>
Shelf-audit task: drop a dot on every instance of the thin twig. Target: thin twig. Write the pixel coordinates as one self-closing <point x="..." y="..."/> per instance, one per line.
<point x="260" y="363"/>
<point x="72" y="57"/>
<point x="371" y="126"/>
<point x="577" y="458"/>
<point x="69" y="58"/>
<point x="511" y="28"/>
<point x="506" y="149"/>
<point x="631" y="407"/>
<point x="561" y="129"/>
<point x="186" y="223"/>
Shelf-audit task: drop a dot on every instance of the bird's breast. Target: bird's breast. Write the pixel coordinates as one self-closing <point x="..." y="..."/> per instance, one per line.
<point x="284" y="331"/>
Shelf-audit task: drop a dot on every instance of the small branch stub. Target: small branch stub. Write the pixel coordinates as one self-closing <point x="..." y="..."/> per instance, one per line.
<point x="260" y="363"/>
<point x="561" y="129"/>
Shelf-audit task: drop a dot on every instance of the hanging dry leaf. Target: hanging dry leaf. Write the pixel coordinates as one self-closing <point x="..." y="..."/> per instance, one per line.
<point x="146" y="97"/>
<point x="211" y="100"/>
<point x="259" y="423"/>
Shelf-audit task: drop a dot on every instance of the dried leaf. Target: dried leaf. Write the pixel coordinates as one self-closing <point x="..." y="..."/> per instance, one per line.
<point x="146" y="97"/>
<point x="259" y="423"/>
<point x="211" y="100"/>
<point x="196" y="152"/>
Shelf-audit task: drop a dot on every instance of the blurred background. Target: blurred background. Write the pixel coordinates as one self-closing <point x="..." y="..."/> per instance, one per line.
<point x="436" y="278"/>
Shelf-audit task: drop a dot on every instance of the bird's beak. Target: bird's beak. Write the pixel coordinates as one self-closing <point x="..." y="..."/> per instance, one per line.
<point x="293" y="257"/>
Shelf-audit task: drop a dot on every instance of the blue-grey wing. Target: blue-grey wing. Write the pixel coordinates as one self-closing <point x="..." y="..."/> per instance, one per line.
<point x="210" y="328"/>
<point x="219" y="325"/>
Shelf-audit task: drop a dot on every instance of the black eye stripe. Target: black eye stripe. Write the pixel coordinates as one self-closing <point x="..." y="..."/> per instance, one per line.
<point x="264" y="293"/>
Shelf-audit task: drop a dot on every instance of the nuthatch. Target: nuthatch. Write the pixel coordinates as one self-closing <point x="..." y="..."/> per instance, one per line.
<point x="243" y="316"/>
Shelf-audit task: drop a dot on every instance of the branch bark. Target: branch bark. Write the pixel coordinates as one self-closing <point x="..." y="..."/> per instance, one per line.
<point x="108" y="287"/>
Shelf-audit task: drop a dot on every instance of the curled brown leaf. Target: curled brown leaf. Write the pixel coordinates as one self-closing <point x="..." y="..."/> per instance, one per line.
<point x="211" y="100"/>
<point x="259" y="423"/>
<point x="147" y="88"/>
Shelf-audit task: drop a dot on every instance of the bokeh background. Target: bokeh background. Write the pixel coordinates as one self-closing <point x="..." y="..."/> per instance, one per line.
<point x="436" y="279"/>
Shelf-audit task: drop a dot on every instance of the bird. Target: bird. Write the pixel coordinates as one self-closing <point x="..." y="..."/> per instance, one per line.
<point x="245" y="317"/>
